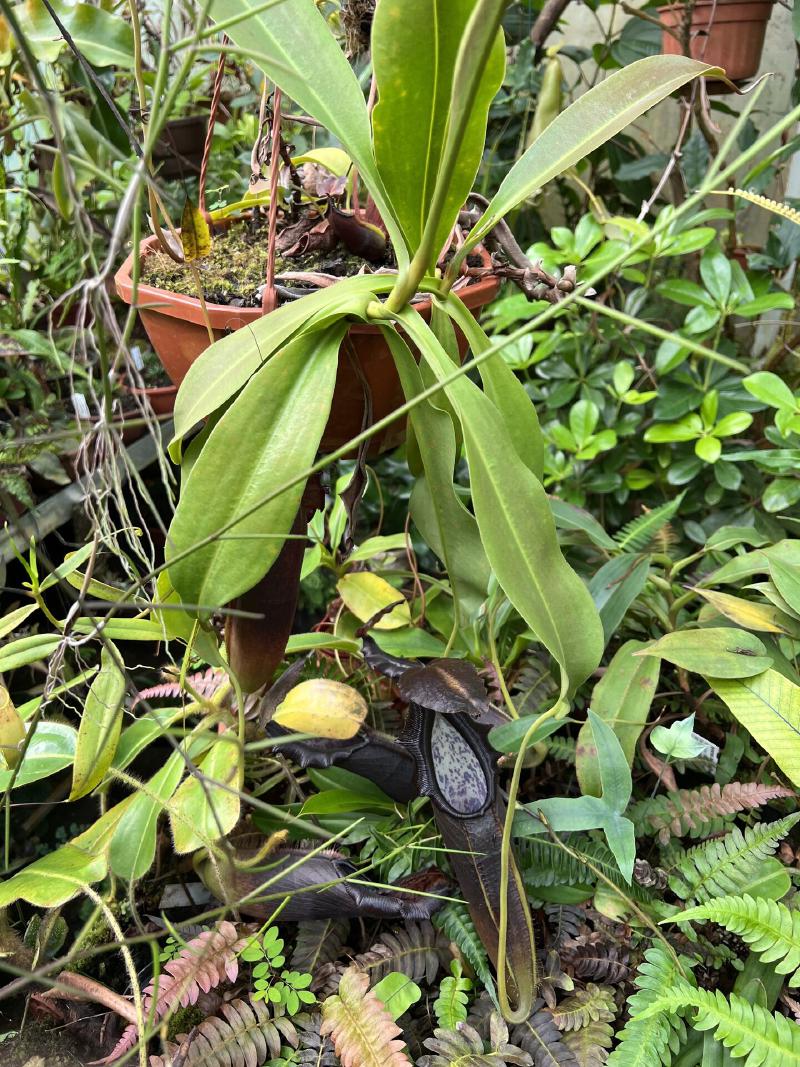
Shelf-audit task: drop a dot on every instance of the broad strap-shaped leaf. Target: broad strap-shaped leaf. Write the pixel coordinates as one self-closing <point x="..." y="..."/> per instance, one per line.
<point x="516" y="525"/>
<point x="60" y="875"/>
<point x="722" y="651"/>
<point x="269" y="434"/>
<point x="446" y="524"/>
<point x="590" y="121"/>
<point x="622" y="698"/>
<point x="414" y="48"/>
<point x="101" y="725"/>
<point x="293" y="45"/>
<point x="133" y="846"/>
<point x="768" y="706"/>
<point x="224" y="367"/>
<point x="504" y="389"/>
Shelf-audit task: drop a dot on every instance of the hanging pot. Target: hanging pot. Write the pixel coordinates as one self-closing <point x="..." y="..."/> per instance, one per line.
<point x="175" y="325"/>
<point x="727" y="33"/>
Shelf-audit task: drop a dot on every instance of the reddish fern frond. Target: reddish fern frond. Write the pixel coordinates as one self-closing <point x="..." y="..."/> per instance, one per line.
<point x="207" y="961"/>
<point x="362" y="1030"/>
<point x="701" y="812"/>
<point x="251" y="1032"/>
<point x="205" y="683"/>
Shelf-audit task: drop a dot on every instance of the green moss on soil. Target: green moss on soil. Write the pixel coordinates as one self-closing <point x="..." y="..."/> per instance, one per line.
<point x="233" y="273"/>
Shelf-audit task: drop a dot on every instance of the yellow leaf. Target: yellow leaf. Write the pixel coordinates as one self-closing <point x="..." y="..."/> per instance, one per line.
<point x="749" y="615"/>
<point x="324" y="708"/>
<point x="195" y="234"/>
<point x="366" y="594"/>
<point x="12" y="729"/>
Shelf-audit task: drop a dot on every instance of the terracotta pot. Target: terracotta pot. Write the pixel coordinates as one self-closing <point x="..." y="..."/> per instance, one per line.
<point x="161" y="397"/>
<point x="174" y="323"/>
<point x="727" y="33"/>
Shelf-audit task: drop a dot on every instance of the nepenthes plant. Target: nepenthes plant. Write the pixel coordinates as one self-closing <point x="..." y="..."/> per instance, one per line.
<point x="442" y="753"/>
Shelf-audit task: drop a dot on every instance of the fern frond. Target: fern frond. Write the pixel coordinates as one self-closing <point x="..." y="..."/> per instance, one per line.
<point x="318" y="941"/>
<point x="565" y="922"/>
<point x="362" y="1030"/>
<point x="541" y="1039"/>
<point x="767" y="926"/>
<point x="593" y="1004"/>
<point x="759" y="1037"/>
<point x="561" y="748"/>
<point x="206" y="961"/>
<point x="204" y="683"/>
<point x="727" y="865"/>
<point x="249" y="1033"/>
<point x="590" y="1044"/>
<point x="652" y="1042"/>
<point x="416" y="950"/>
<point x="450" y="1007"/>
<point x="774" y="206"/>
<point x="464" y="1046"/>
<point x="313" y="1049"/>
<point x="543" y="862"/>
<point x="455" y="923"/>
<point x="597" y="960"/>
<point x="636" y="535"/>
<point x="700" y="812"/>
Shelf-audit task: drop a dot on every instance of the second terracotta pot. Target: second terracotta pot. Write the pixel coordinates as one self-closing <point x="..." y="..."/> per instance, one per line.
<point x="727" y="33"/>
<point x="176" y="328"/>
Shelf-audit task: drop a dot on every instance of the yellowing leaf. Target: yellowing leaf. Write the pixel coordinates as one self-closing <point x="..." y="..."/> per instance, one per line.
<point x="12" y="729"/>
<point x="367" y="594"/>
<point x="746" y="613"/>
<point x="324" y="708"/>
<point x="205" y="810"/>
<point x="768" y="706"/>
<point x="195" y="234"/>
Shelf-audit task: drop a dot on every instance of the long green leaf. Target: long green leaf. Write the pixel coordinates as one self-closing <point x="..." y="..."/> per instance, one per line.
<point x="224" y="367"/>
<point x="593" y="119"/>
<point x="414" y="48"/>
<point x="295" y="48"/>
<point x="504" y="389"/>
<point x="516" y="525"/>
<point x="622" y="699"/>
<point x="270" y="432"/>
<point x="768" y="706"/>
<point x="133" y="846"/>
<point x="445" y="523"/>
<point x="101" y="725"/>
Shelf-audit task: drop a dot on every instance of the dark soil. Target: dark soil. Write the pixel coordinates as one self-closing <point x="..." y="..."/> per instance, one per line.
<point x="45" y="1048"/>
<point x="233" y="273"/>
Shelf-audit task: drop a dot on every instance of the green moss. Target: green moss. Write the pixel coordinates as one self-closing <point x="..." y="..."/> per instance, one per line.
<point x="182" y="1021"/>
<point x="234" y="271"/>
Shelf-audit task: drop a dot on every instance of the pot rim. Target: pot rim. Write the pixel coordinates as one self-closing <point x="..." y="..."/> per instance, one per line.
<point x="225" y="316"/>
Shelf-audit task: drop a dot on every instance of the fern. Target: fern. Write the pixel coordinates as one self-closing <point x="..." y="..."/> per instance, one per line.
<point x="590" y="1044"/>
<point x="768" y="927"/>
<point x="700" y="812"/>
<point x="415" y="950"/>
<point x="729" y="864"/>
<point x="362" y="1030"/>
<point x="541" y="1039"/>
<point x="206" y="961"/>
<point x="752" y="1032"/>
<point x="638" y="534"/>
<point x="318" y="941"/>
<point x="599" y="961"/>
<point x="248" y="1034"/>
<point x="314" y="1049"/>
<point x="544" y="863"/>
<point x="592" y="1004"/>
<point x="653" y="1041"/>
<point x="455" y="923"/>
<point x="450" y="1007"/>
<point x="562" y="748"/>
<point x="784" y="210"/>
<point x="464" y="1047"/>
